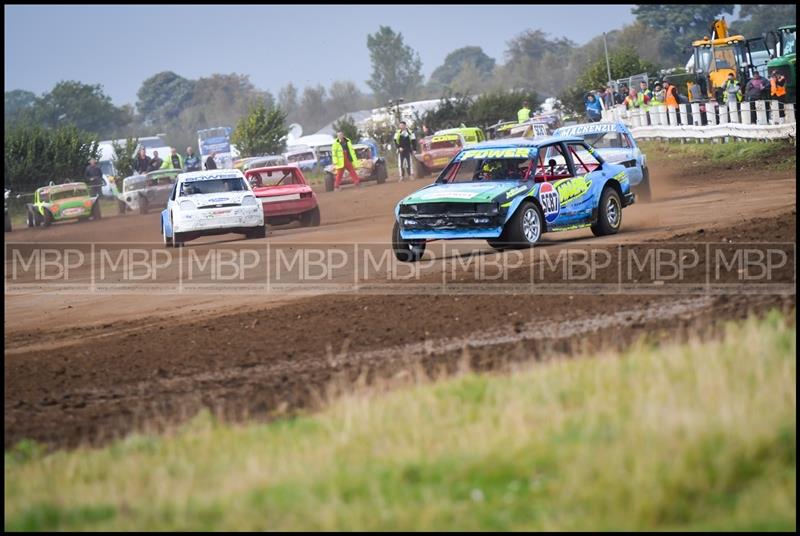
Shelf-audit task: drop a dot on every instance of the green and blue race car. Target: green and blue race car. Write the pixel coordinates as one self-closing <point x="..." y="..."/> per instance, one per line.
<point x="510" y="192"/>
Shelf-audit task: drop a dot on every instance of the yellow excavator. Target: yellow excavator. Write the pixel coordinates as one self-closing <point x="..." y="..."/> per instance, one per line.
<point x="722" y="54"/>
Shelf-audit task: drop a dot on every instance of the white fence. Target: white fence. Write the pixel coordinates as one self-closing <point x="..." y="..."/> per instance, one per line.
<point x="760" y="120"/>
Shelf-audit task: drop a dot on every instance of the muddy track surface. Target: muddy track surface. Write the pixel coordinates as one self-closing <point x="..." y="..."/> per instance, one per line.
<point x="87" y="369"/>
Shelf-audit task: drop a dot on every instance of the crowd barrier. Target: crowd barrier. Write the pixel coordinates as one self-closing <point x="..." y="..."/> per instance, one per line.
<point x="759" y="120"/>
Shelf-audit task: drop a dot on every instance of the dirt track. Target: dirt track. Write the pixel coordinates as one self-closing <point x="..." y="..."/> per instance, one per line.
<point x="86" y="368"/>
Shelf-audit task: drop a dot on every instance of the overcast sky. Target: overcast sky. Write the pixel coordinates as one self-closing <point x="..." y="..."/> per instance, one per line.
<point x="120" y="46"/>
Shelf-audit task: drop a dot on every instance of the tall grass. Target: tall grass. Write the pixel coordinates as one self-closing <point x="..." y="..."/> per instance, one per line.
<point x="698" y="436"/>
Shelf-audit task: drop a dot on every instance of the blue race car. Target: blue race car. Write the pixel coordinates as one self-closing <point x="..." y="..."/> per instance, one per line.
<point x="615" y="143"/>
<point x="510" y="192"/>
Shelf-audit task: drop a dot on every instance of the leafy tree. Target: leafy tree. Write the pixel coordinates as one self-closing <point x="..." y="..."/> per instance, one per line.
<point x="287" y="100"/>
<point x="496" y="106"/>
<point x="536" y="62"/>
<point x="683" y="23"/>
<point x="757" y="19"/>
<point x="623" y="62"/>
<point x="396" y="67"/>
<point x="262" y="131"/>
<point x="453" y="110"/>
<point x="313" y="113"/>
<point x="344" y="97"/>
<point x="35" y="155"/>
<point x="19" y="105"/>
<point x="163" y="96"/>
<point x="348" y="126"/>
<point x="124" y="157"/>
<point x="82" y="105"/>
<point x="457" y="61"/>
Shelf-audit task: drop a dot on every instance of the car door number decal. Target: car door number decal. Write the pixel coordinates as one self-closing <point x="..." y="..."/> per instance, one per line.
<point x="550" y="201"/>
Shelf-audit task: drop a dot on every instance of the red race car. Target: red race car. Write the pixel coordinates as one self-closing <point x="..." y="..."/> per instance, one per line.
<point x="285" y="195"/>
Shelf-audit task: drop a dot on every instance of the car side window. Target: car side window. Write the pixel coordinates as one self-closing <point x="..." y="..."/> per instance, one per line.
<point x="582" y="158"/>
<point x="174" y="189"/>
<point x="553" y="164"/>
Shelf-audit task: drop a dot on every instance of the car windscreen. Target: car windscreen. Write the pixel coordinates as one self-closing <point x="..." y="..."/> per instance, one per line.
<point x="606" y="140"/>
<point x="364" y="153"/>
<point x="487" y="169"/>
<point x="213" y="186"/>
<point x="70" y="192"/>
<point x="161" y="178"/>
<point x="300" y="157"/>
<point x="444" y="144"/>
<point x="273" y="178"/>
<point x="106" y="167"/>
<point x="134" y="183"/>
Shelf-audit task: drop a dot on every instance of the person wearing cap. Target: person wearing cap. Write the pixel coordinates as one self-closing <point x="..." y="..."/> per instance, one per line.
<point x="659" y="94"/>
<point x="524" y="113"/>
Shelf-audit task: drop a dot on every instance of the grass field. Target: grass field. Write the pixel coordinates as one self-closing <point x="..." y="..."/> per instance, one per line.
<point x="778" y="155"/>
<point x="694" y="437"/>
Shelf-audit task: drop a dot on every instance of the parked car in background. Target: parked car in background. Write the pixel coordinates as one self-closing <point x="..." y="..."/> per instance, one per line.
<point x="141" y="193"/>
<point x="62" y="202"/>
<point x="371" y="166"/>
<point x="470" y="134"/>
<point x="436" y="151"/>
<point x="302" y="155"/>
<point x="285" y="195"/>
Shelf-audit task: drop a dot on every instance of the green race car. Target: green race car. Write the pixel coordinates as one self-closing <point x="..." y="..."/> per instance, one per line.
<point x="62" y="202"/>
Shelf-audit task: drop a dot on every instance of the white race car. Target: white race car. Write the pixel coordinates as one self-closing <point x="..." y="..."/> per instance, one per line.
<point x="212" y="202"/>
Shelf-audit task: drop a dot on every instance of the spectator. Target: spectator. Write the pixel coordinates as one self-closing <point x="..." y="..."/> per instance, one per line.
<point x="756" y="88"/>
<point x="593" y="108"/>
<point x="192" y="161"/>
<point x="404" y="140"/>
<point x="210" y="162"/>
<point x="94" y="177"/>
<point x="524" y="113"/>
<point x="777" y="84"/>
<point x="426" y="130"/>
<point x="731" y="90"/>
<point x="644" y="90"/>
<point x="636" y="100"/>
<point x="142" y="162"/>
<point x="608" y="98"/>
<point x="659" y="94"/>
<point x="671" y="98"/>
<point x="622" y="94"/>
<point x="155" y="162"/>
<point x="344" y="157"/>
<point x="175" y="160"/>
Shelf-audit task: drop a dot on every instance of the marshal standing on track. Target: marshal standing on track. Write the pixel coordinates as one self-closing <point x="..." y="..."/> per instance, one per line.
<point x="404" y="140"/>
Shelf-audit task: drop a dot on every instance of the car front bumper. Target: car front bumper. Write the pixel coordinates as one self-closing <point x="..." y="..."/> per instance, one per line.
<point x="213" y="219"/>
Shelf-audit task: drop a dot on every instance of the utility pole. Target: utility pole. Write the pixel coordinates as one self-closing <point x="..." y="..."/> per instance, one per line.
<point x="608" y="65"/>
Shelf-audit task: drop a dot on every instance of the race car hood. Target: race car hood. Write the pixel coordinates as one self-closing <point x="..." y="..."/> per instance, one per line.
<point x="219" y="198"/>
<point x="470" y="192"/>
